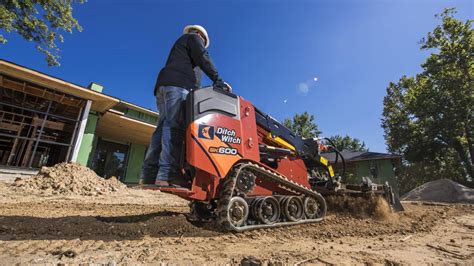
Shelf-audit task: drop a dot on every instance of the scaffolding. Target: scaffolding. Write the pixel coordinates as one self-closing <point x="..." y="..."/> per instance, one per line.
<point x="38" y="126"/>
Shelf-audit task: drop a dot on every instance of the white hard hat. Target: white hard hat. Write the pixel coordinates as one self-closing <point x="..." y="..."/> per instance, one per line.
<point x="200" y="28"/>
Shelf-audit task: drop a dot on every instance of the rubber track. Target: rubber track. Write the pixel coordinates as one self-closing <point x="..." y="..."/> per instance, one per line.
<point x="228" y="188"/>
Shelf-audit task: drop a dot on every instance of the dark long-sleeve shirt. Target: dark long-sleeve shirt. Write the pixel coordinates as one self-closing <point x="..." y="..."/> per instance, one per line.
<point x="187" y="53"/>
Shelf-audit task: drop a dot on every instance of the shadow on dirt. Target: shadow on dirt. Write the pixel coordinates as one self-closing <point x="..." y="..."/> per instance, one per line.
<point x="136" y="218"/>
<point x="158" y="224"/>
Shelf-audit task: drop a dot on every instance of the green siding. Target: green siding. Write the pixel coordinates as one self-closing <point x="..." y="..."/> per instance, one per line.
<point x="150" y="118"/>
<point x="387" y="173"/>
<point x="351" y="175"/>
<point x="135" y="161"/>
<point x="88" y="140"/>
<point x="384" y="169"/>
<point x="133" y="113"/>
<point x="362" y="169"/>
<point x="141" y="116"/>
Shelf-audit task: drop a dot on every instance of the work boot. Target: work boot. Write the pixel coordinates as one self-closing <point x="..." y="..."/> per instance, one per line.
<point x="167" y="184"/>
<point x="146" y="181"/>
<point x="173" y="184"/>
<point x="176" y="178"/>
<point x="182" y="182"/>
<point x="161" y="183"/>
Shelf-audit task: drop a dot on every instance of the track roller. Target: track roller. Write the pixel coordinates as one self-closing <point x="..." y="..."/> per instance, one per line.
<point x="314" y="207"/>
<point x="292" y="208"/>
<point x="310" y="207"/>
<point x="237" y="211"/>
<point x="267" y="210"/>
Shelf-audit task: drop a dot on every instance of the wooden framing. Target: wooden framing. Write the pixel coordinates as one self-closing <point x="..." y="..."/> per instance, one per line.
<point x="40" y="92"/>
<point x="100" y="101"/>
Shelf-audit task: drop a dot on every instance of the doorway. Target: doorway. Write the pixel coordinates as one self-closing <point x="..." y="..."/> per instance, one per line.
<point x="110" y="159"/>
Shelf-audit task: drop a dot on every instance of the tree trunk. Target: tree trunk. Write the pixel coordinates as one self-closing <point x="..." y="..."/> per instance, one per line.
<point x="468" y="165"/>
<point x="470" y="144"/>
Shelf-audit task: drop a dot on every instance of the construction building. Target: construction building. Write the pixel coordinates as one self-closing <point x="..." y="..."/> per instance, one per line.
<point x="45" y="120"/>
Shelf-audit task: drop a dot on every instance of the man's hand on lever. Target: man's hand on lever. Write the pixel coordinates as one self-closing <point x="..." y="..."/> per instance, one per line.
<point x="220" y="84"/>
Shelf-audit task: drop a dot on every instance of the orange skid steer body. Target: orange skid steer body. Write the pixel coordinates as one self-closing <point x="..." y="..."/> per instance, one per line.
<point x="248" y="171"/>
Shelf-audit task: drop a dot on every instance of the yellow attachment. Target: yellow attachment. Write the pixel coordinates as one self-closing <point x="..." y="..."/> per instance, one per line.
<point x="331" y="172"/>
<point x="323" y="160"/>
<point x="281" y="142"/>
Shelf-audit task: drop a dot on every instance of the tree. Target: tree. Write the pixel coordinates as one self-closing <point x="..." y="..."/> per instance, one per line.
<point x="347" y="143"/>
<point x="429" y="118"/>
<point x="39" y="21"/>
<point x="303" y="125"/>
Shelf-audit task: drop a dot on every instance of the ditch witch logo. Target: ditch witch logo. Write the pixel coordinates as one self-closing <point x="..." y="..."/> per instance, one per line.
<point x="206" y="132"/>
<point x="224" y="134"/>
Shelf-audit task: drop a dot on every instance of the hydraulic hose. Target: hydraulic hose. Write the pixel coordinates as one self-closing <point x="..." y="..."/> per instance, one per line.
<point x="338" y="153"/>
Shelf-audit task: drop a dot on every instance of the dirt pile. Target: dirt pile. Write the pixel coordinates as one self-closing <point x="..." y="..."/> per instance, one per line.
<point x="68" y="179"/>
<point x="442" y="190"/>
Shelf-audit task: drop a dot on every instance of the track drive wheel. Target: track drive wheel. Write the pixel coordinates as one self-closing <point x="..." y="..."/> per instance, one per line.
<point x="292" y="208"/>
<point x="245" y="182"/>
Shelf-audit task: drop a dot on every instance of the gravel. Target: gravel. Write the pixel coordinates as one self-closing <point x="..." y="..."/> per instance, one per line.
<point x="441" y="190"/>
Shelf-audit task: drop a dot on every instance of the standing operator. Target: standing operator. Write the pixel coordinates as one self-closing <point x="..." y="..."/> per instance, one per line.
<point x="180" y="75"/>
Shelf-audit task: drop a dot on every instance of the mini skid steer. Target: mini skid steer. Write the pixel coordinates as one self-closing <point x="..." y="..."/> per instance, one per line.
<point x="248" y="171"/>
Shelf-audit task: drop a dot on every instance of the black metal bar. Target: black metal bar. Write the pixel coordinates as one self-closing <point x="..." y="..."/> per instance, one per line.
<point x="125" y="163"/>
<point x="40" y="133"/>
<point x="38" y="112"/>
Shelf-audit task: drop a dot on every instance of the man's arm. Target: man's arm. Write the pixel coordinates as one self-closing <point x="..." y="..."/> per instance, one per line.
<point x="201" y="57"/>
<point x="198" y="75"/>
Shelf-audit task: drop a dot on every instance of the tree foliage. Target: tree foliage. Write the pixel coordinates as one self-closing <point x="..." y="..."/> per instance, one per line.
<point x="429" y="118"/>
<point x="303" y="125"/>
<point x="39" y="21"/>
<point x="347" y="143"/>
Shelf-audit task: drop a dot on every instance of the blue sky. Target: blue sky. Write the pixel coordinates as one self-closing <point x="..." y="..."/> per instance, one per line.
<point x="270" y="51"/>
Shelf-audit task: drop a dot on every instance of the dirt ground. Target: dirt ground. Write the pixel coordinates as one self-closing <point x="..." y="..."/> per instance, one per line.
<point x="149" y="227"/>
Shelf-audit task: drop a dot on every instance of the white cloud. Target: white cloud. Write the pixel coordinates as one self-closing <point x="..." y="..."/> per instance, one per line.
<point x="303" y="88"/>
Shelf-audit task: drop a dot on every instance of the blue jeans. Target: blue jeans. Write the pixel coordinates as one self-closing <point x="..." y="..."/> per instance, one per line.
<point x="162" y="160"/>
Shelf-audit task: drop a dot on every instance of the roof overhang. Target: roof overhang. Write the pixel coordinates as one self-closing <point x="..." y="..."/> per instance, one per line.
<point x="114" y="125"/>
<point x="100" y="102"/>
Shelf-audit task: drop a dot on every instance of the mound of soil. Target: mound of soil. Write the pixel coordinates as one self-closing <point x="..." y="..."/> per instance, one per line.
<point x="442" y="190"/>
<point x="68" y="179"/>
